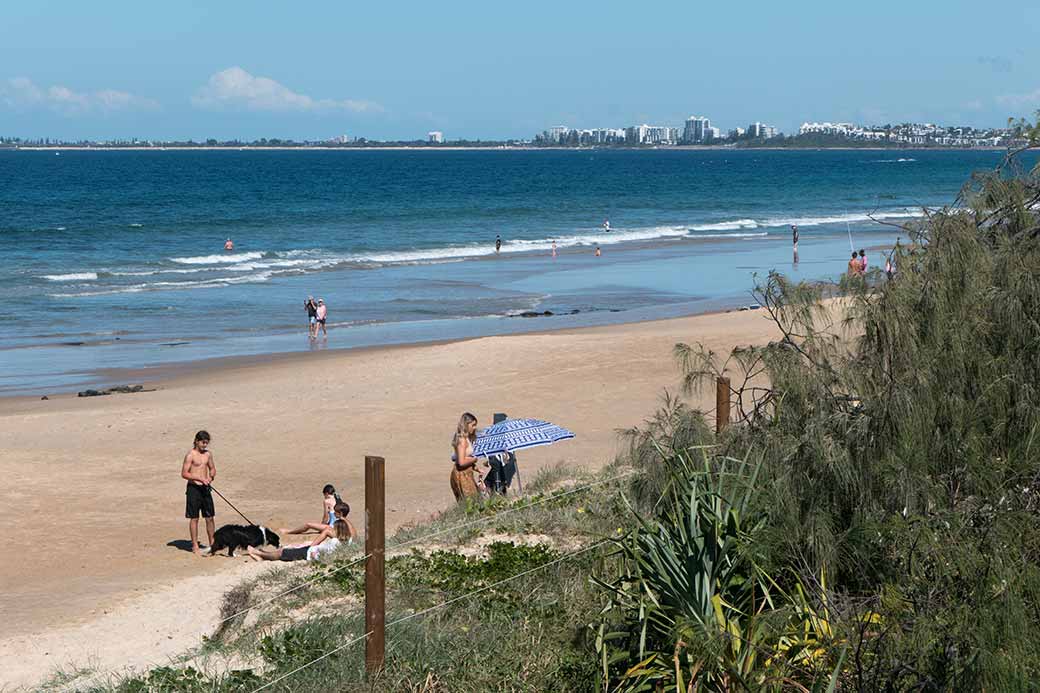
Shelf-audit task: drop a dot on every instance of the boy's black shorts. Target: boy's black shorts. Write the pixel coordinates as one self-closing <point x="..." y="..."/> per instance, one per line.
<point x="198" y="499"/>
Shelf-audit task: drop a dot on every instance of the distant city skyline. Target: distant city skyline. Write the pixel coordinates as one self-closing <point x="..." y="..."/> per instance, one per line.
<point x="228" y="70"/>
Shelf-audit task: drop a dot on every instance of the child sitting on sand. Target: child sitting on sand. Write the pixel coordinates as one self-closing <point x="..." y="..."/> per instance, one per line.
<point x="331" y="500"/>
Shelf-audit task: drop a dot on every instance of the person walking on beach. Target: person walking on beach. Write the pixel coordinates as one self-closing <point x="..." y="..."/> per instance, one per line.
<point x="498" y="244"/>
<point x="794" y="238"/>
<point x="312" y="316"/>
<point x="597" y="251"/>
<point x="464" y="484"/>
<point x="199" y="471"/>
<point x="862" y="261"/>
<point x="554" y="248"/>
<point x="321" y="312"/>
<point x="855" y="266"/>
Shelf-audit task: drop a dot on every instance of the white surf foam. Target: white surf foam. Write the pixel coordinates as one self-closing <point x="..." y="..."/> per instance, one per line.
<point x="73" y="277"/>
<point x="727" y="225"/>
<point x="728" y="235"/>
<point x="843" y="218"/>
<point x="166" y="286"/>
<point x="217" y="259"/>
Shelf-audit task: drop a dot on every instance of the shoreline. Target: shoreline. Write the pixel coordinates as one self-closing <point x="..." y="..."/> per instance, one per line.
<point x="155" y="375"/>
<point x="490" y="148"/>
<point x="282" y="428"/>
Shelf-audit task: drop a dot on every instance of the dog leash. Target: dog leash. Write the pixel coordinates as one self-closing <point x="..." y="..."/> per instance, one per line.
<point x="232" y="505"/>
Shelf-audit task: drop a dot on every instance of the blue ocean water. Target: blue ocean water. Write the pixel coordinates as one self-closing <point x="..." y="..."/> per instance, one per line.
<point x="114" y="259"/>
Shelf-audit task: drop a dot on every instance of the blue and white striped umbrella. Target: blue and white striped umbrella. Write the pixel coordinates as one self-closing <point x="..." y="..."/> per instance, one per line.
<point x="516" y="434"/>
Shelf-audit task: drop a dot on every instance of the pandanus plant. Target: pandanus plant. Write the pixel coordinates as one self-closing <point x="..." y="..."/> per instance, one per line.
<point x="699" y="611"/>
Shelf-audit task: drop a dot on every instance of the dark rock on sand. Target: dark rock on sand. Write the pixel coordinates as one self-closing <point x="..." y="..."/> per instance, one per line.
<point x="45" y="397"/>
<point x="92" y="393"/>
<point x="120" y="389"/>
<point x="533" y="314"/>
<point x="127" y="388"/>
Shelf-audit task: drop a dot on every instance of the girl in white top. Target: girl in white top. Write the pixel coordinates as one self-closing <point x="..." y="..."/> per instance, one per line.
<point x="325" y="543"/>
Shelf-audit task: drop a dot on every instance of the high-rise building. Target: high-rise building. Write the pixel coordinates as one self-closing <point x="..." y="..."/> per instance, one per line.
<point x="556" y="134"/>
<point x="759" y="130"/>
<point x="651" y="134"/>
<point x="637" y="134"/>
<point x="696" y="130"/>
<point x="435" y="137"/>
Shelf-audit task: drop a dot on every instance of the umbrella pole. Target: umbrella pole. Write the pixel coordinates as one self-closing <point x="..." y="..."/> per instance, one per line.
<point x="519" y="483"/>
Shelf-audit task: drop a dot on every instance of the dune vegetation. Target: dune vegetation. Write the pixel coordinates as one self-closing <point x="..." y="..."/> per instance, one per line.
<point x="868" y="521"/>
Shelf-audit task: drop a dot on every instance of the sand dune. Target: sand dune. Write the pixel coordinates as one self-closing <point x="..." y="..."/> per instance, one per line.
<point x="94" y="502"/>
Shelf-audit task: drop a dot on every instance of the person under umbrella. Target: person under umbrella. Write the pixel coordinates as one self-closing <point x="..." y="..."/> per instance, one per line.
<point x="511" y="435"/>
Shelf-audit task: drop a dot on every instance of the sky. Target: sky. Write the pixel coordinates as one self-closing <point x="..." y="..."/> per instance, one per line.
<point x="394" y="70"/>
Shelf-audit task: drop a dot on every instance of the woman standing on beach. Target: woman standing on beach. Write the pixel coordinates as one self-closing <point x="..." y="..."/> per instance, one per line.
<point x="321" y="312"/>
<point x="463" y="484"/>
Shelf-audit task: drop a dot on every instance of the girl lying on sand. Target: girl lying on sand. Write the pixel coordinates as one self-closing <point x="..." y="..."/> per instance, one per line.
<point x="328" y="541"/>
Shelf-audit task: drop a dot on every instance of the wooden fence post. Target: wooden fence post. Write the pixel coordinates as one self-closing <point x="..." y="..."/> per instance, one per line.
<point x="375" y="575"/>
<point x="721" y="403"/>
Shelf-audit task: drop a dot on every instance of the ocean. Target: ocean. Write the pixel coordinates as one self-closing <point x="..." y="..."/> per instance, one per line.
<point x="114" y="259"/>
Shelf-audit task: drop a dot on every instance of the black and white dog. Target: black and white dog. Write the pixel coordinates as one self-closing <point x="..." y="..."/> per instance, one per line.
<point x="233" y="537"/>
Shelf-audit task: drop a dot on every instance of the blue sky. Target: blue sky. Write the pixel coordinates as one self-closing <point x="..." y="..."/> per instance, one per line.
<point x="264" y="68"/>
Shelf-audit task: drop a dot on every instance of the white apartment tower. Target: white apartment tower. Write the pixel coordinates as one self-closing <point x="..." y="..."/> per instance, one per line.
<point x="697" y="130"/>
<point x="435" y="137"/>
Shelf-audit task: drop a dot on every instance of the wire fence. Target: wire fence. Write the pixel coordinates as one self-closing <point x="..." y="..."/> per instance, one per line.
<point x="303" y="584"/>
<point x="493" y="517"/>
<point x="425" y="537"/>
<point x="435" y="607"/>
<point x="455" y="528"/>
<point x="515" y="509"/>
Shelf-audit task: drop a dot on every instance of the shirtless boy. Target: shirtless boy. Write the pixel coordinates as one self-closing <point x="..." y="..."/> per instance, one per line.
<point x="199" y="470"/>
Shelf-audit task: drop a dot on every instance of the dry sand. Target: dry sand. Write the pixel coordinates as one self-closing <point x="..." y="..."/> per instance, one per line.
<point x="93" y="497"/>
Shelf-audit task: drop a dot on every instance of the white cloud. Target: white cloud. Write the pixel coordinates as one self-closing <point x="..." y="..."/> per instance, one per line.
<point x="236" y="88"/>
<point x="1028" y="99"/>
<point x="21" y="92"/>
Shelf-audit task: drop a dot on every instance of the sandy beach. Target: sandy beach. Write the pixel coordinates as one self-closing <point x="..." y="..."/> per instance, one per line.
<point x="96" y="553"/>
